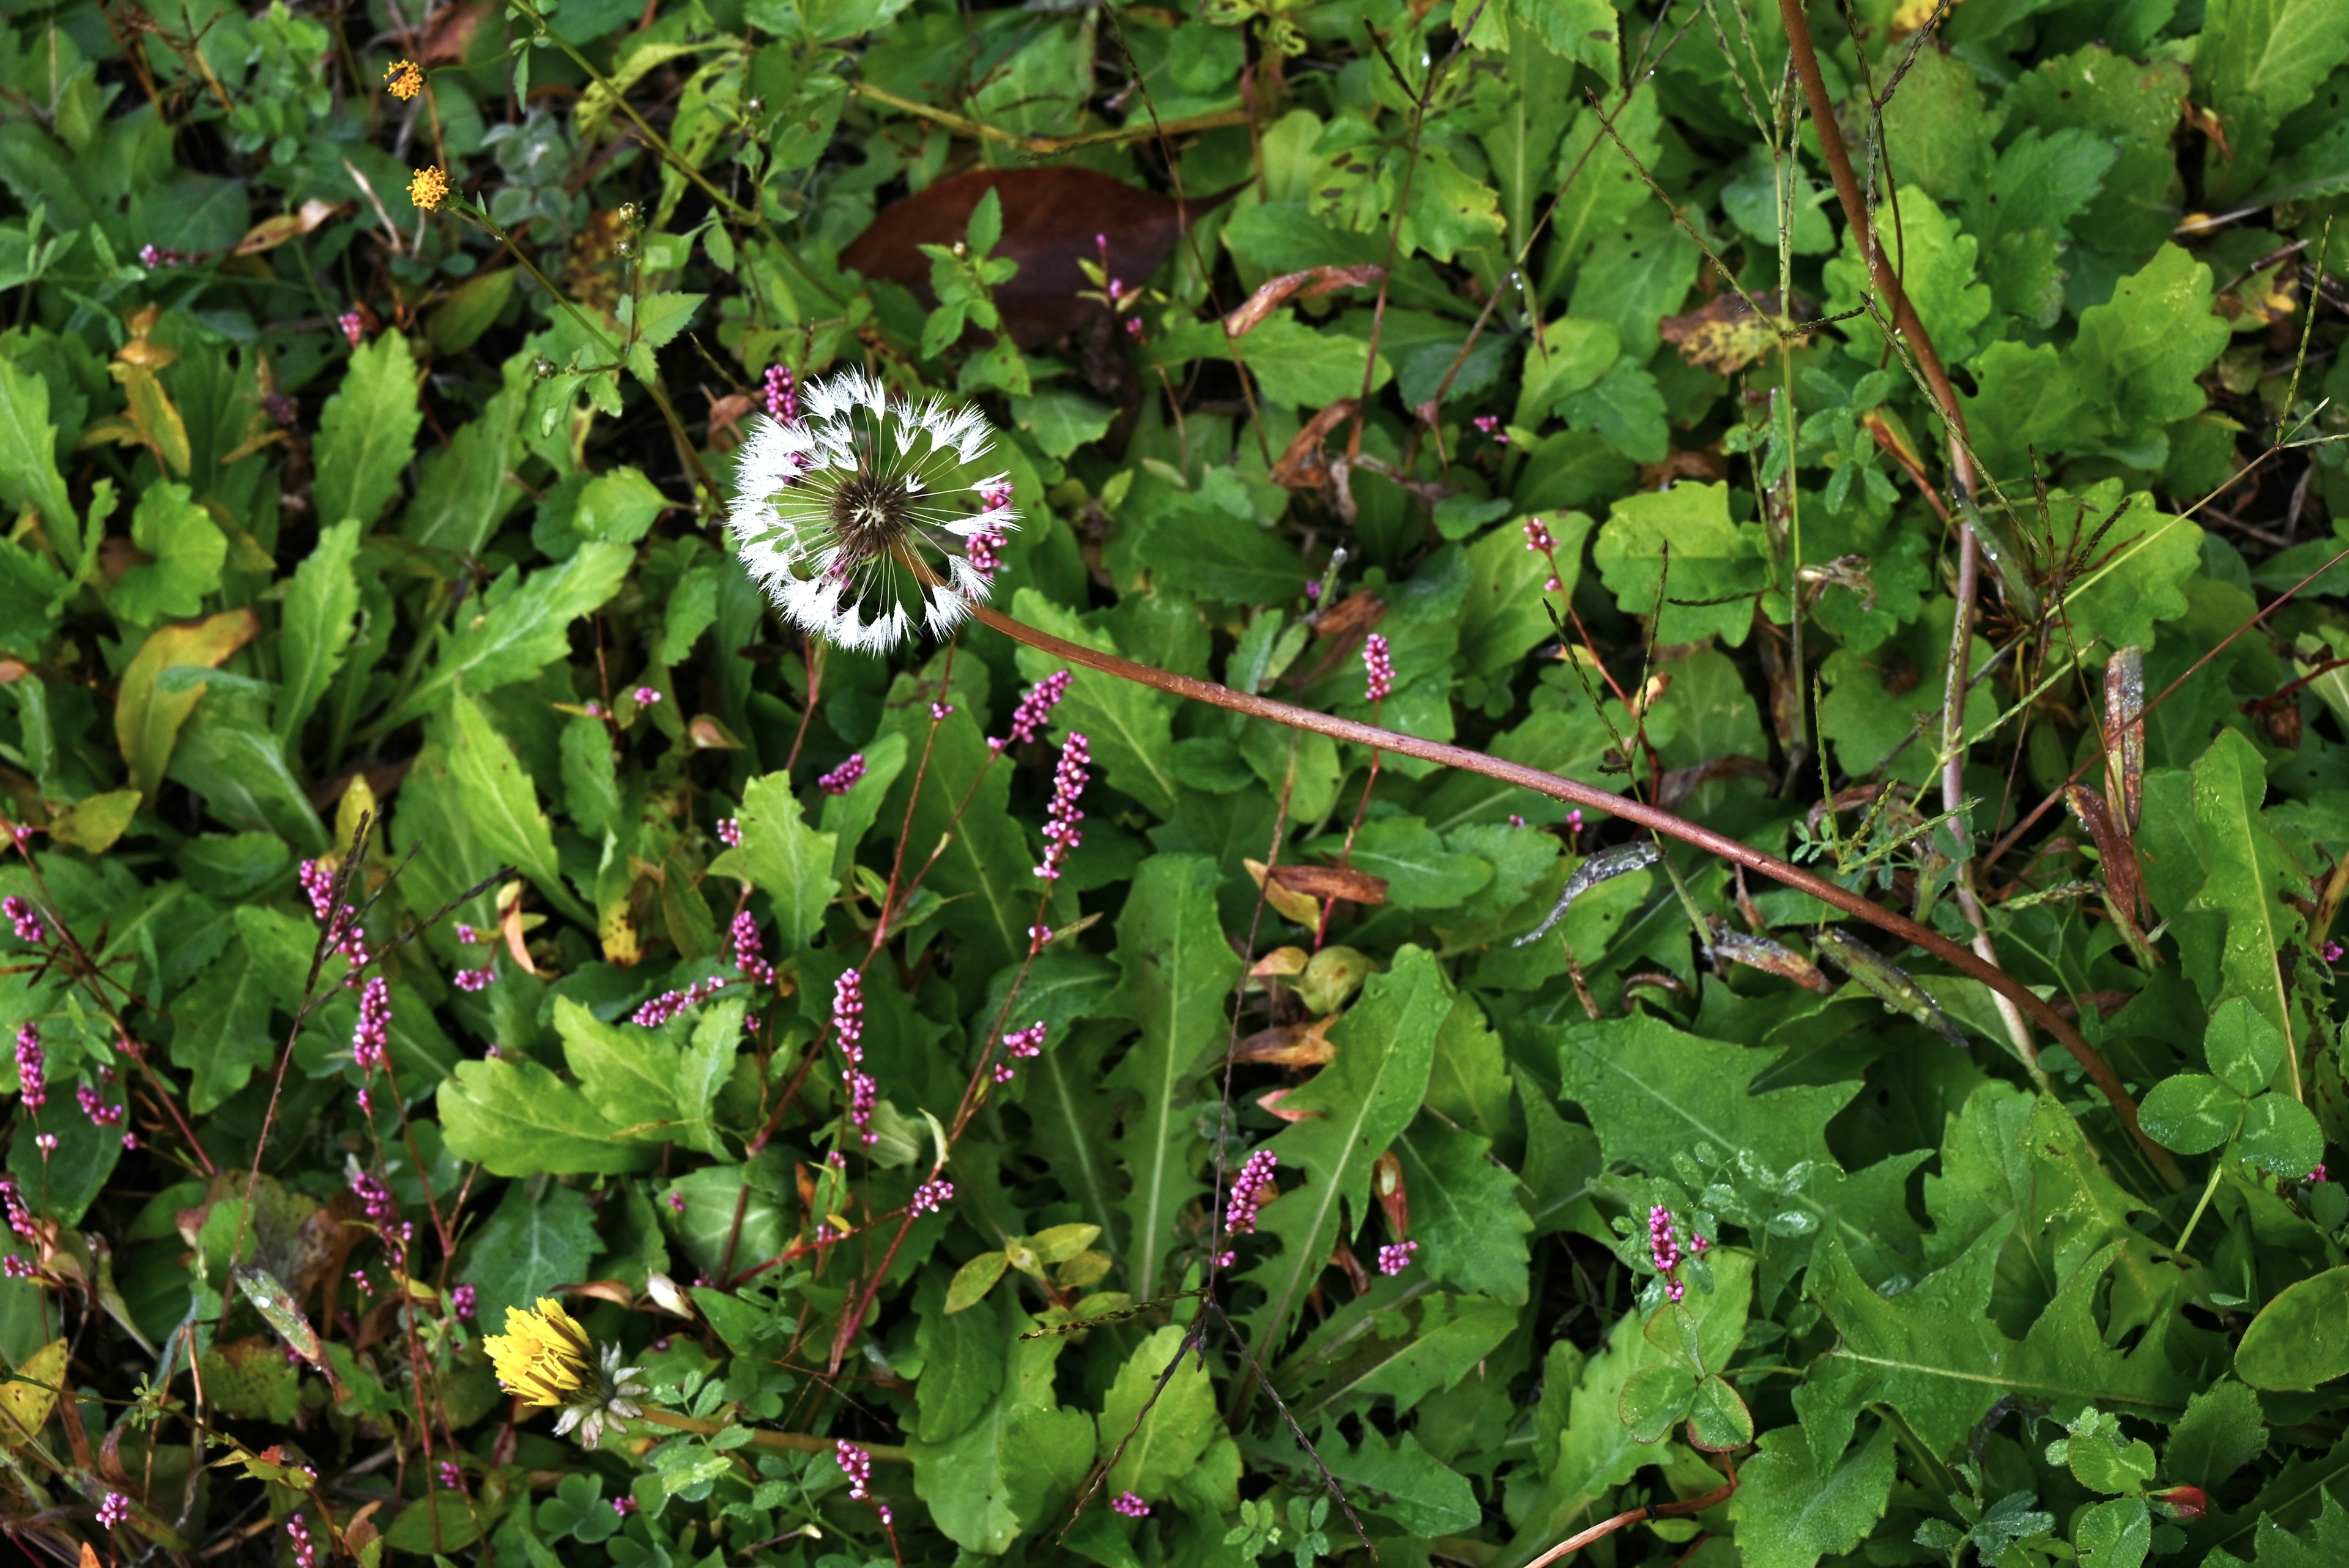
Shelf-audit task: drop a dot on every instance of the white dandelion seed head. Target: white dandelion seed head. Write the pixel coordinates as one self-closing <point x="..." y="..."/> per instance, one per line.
<point x="857" y="518"/>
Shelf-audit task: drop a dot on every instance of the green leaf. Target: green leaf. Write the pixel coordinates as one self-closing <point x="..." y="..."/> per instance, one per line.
<point x="618" y="507"/>
<point x="2243" y="1047"/>
<point x="222" y="1037"/>
<point x="1167" y="1438"/>
<point x="846" y="818"/>
<point x="1453" y="1336"/>
<point x="1419" y="871"/>
<point x="1012" y="1467"/>
<point x="1718" y="1419"/>
<point x="228" y="754"/>
<point x="366" y="432"/>
<point x="1715" y="570"/>
<point x="785" y="858"/>
<point x="1654" y="1401"/>
<point x="628" y="1071"/>
<point x="1568" y="355"/>
<point x="974" y="1280"/>
<point x="322" y="607"/>
<point x="2236" y="925"/>
<point x="657" y="318"/>
<point x="1404" y="1481"/>
<point x="2139" y="352"/>
<point x="962" y="1369"/>
<point x="528" y="1248"/>
<point x="1177" y="973"/>
<point x="2115" y="1534"/>
<point x="1938" y="271"/>
<point x="1298" y="365"/>
<point x="2259" y="60"/>
<point x="147" y="722"/>
<point x="1059" y="420"/>
<point x="2281" y="1133"/>
<point x="1791" y="1511"/>
<point x="2192" y="1113"/>
<point x="502" y="803"/>
<point x="1129" y="727"/>
<point x="28" y="460"/>
<point x="519" y="1119"/>
<point x="1464" y="1212"/>
<point x="462" y="491"/>
<point x="188" y="550"/>
<point x="1626" y="408"/>
<point x="1352" y="1109"/>
<point x="2221" y="1431"/>
<point x="517" y="629"/>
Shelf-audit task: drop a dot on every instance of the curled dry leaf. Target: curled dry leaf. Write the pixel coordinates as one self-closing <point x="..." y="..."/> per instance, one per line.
<point x="1332" y="882"/>
<point x="1289" y="1044"/>
<point x="1297" y="909"/>
<point x="1301" y="466"/>
<point x="1310" y="284"/>
<point x="1054" y="218"/>
<point x="2125" y="734"/>
<point x="1890" y="984"/>
<point x="271" y="232"/>
<point x="1270" y="1100"/>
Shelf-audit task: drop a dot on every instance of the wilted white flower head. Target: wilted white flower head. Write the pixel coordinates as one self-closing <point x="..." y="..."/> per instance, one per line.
<point x="863" y="513"/>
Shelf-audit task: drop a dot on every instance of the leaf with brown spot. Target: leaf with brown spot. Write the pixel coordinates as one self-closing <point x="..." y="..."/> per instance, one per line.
<point x="1726" y="334"/>
<point x="1054" y="217"/>
<point x="1310" y="284"/>
<point x="1297" y="909"/>
<point x="1771" y="958"/>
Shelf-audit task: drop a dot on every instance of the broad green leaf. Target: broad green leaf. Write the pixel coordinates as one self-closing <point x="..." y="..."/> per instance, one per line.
<point x="1938" y="270"/>
<point x="1791" y="1511"/>
<point x="502" y="803"/>
<point x="1718" y="1419"/>
<point x="1452" y="1335"/>
<point x="784" y="858"/>
<point x="2221" y="1431"/>
<point x="1399" y="1477"/>
<point x="964" y="804"/>
<point x="2138" y="353"/>
<point x="2258" y="61"/>
<point x="1626" y="408"/>
<point x="528" y="1247"/>
<point x="1061" y="420"/>
<point x="187" y="549"/>
<point x="366" y="432"/>
<point x="846" y="818"/>
<point x="1716" y="567"/>
<point x="1177" y="977"/>
<point x="1568" y="355"/>
<point x="1009" y="1470"/>
<point x="2115" y="1534"/>
<point x="462" y="491"/>
<point x="1654" y="1401"/>
<point x="1164" y="1441"/>
<point x="618" y="507"/>
<point x="1935" y="129"/>
<point x="1352" y="1109"/>
<point x="1419" y="871"/>
<point x="2281" y="1133"/>
<point x="321" y="613"/>
<point x="517" y="629"/>
<point x="519" y="1119"/>
<point x="962" y="1369"/>
<point x="2301" y="1338"/>
<point x="227" y="754"/>
<point x="1128" y="727"/>
<point x="974" y="1280"/>
<point x="2233" y="932"/>
<point x="1464" y="1211"/>
<point x="30" y="1392"/>
<point x="1298" y="365"/>
<point x="223" y="1036"/>
<point x="629" y="1073"/>
<point x="28" y="462"/>
<point x="2143" y="559"/>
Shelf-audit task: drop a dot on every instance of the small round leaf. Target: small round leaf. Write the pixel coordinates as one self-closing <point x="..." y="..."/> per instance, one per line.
<point x="2243" y="1047"/>
<point x="2192" y="1113"/>
<point x="2281" y="1134"/>
<point x="1719" y="1420"/>
<point x="1654" y="1401"/>
<point x="2301" y="1338"/>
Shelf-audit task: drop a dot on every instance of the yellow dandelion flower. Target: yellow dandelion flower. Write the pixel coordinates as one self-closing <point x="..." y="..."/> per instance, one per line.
<point x="403" y="79"/>
<point x="542" y="1356"/>
<point x="428" y="188"/>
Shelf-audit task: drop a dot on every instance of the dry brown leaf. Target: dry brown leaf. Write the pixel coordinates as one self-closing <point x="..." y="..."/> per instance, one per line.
<point x="1310" y="284"/>
<point x="1332" y="882"/>
<point x="1289" y="1044"/>
<point x="271" y="232"/>
<point x="1725" y="335"/>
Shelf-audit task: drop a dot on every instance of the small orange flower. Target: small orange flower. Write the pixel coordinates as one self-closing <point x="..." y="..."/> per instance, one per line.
<point x="404" y="80"/>
<point x="428" y="188"/>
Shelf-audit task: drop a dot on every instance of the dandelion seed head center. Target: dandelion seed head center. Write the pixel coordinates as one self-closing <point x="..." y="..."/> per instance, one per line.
<point x="870" y="512"/>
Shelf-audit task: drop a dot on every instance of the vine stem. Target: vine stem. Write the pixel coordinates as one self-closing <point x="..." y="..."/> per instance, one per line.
<point x="1655" y="818"/>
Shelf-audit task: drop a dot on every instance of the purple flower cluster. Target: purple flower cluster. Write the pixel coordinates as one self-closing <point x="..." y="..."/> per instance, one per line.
<point x="1664" y="1248"/>
<point x="750" y="950"/>
<point x="25" y="919"/>
<point x="857" y="1463"/>
<point x="730" y="832"/>
<point x="375" y="1198"/>
<point x="374" y="1031"/>
<point x="994" y="493"/>
<point x="981" y="550"/>
<point x="305" y="1554"/>
<point x="344" y="936"/>
<point x="782" y="395"/>
<point x="1490" y="424"/>
<point x="452" y="1475"/>
<point x="932" y="1196"/>
<point x="1537" y="537"/>
<point x="1249" y="1189"/>
<point x="20" y="1219"/>
<point x="94" y="1108"/>
<point x="1395" y="1259"/>
<point x="848" y="1028"/>
<point x="1060" y="818"/>
<point x="646" y="696"/>
<point x="1131" y="1505"/>
<point x="474" y="978"/>
<point x="624" y="1505"/>
<point x="461" y="1301"/>
<point x="354" y="326"/>
<point x="16" y="1268"/>
<point x="1378" y="667"/>
<point x="842" y="779"/>
<point x="669" y="1003"/>
<point x="1022" y="1043"/>
<point x="1027" y="720"/>
<point x="114" y="1511"/>
<point x="31" y="1068"/>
